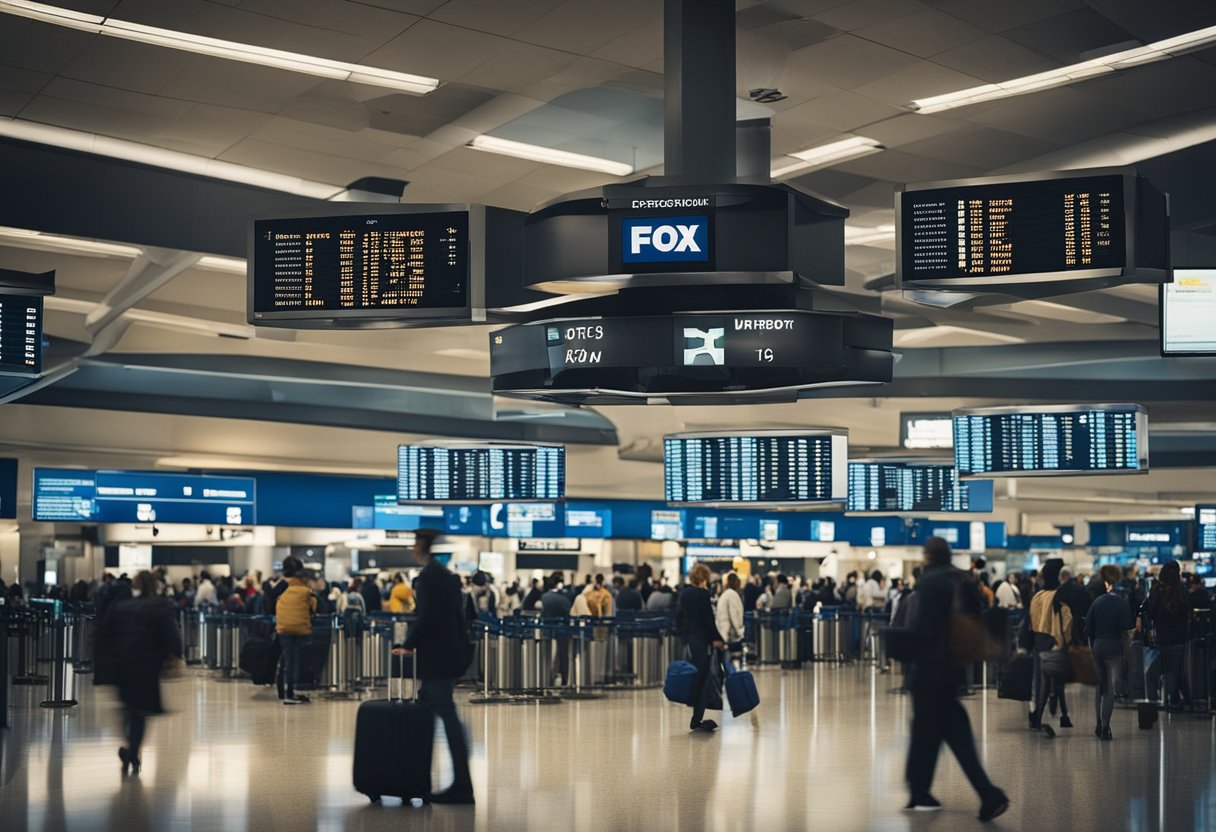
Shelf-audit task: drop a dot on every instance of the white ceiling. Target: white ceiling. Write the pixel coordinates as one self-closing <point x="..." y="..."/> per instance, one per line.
<point x="846" y="67"/>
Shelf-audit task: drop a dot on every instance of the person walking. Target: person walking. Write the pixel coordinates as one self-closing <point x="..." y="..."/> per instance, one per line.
<point x="1050" y="622"/>
<point x="935" y="679"/>
<point x="1106" y="622"/>
<point x="729" y="614"/>
<point x="1166" y="615"/>
<point x="439" y="641"/>
<point x="293" y="609"/>
<point x="140" y="635"/>
<point x="695" y="623"/>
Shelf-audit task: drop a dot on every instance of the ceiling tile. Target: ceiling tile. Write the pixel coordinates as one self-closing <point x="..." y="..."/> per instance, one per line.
<point x="582" y="73"/>
<point x="492" y="167"/>
<point x="437" y="49"/>
<point x="18" y="87"/>
<point x="582" y="26"/>
<point x="1064" y="115"/>
<point x="920" y="80"/>
<point x="1161" y="89"/>
<point x="520" y="196"/>
<point x="126" y="64"/>
<point x="910" y="127"/>
<point x="207" y="130"/>
<point x="41" y="47"/>
<point x="998" y="16"/>
<point x="981" y="146"/>
<point x="295" y="161"/>
<point x="419" y="7"/>
<point x="842" y="110"/>
<point x="995" y="58"/>
<point x="1065" y="36"/>
<point x="85" y="94"/>
<point x="414" y="115"/>
<point x="896" y="166"/>
<point x="342" y="112"/>
<point x="438" y="185"/>
<point x="846" y="62"/>
<point x="761" y="15"/>
<point x="637" y="47"/>
<point x="861" y="13"/>
<point x="517" y="66"/>
<point x="494" y="16"/>
<point x="229" y="84"/>
<point x="923" y="34"/>
<point x="368" y="146"/>
<point x="797" y="34"/>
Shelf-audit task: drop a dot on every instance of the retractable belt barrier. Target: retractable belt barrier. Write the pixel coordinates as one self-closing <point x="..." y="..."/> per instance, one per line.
<point x="781" y="637"/>
<point x="836" y="634"/>
<point x="30" y="625"/>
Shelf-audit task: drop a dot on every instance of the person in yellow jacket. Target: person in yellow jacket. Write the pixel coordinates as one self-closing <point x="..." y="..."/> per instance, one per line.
<point x="401" y="599"/>
<point x="293" y="611"/>
<point x="599" y="599"/>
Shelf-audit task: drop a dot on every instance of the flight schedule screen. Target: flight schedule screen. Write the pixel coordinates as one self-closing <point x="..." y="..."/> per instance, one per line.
<point x="1013" y="228"/>
<point x="21" y="334"/>
<point x="481" y="473"/>
<point x="1085" y="441"/>
<point x="1205" y="528"/>
<point x="381" y="262"/>
<point x="751" y="469"/>
<point x="896" y="486"/>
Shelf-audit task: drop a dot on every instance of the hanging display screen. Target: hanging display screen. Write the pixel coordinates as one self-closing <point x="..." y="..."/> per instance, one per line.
<point x="1059" y="440"/>
<point x="882" y="486"/>
<point x="1188" y="313"/>
<point x="762" y="468"/>
<point x="480" y="472"/>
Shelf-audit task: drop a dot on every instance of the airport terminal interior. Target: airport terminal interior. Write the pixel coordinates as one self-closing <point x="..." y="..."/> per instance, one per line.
<point x="710" y="415"/>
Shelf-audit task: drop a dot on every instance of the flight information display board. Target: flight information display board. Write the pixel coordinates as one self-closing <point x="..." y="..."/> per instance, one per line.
<point x="479" y="473"/>
<point x="74" y="496"/>
<point x="1188" y="313"/>
<point x="880" y="486"/>
<point x="379" y="265"/>
<point x="1205" y="528"/>
<point x="1067" y="439"/>
<point x="760" y="468"/>
<point x="1003" y="229"/>
<point x="21" y="334"/>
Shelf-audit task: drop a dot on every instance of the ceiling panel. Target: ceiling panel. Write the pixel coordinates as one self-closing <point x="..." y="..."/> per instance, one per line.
<point x="18" y="88"/>
<point x="896" y="166"/>
<point x="230" y="84"/>
<point x="920" y="80"/>
<point x="1065" y="37"/>
<point x="583" y="26"/>
<point x="1162" y="89"/>
<point x="862" y="13"/>
<point x="494" y="16"/>
<point x="846" y="62"/>
<point x="1064" y="115"/>
<point x="42" y="47"/>
<point x="842" y="110"/>
<point x="438" y="50"/>
<point x="925" y="33"/>
<point x="999" y="16"/>
<point x="981" y="146"/>
<point x="995" y="58"/>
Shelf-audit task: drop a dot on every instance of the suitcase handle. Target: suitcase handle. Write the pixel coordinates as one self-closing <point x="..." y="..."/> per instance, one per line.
<point x="413" y="656"/>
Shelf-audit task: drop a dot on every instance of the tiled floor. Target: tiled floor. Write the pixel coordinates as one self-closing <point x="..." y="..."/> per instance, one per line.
<point x="824" y="752"/>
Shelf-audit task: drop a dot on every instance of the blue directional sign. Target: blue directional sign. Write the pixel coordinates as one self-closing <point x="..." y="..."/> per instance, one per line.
<point x="77" y="496"/>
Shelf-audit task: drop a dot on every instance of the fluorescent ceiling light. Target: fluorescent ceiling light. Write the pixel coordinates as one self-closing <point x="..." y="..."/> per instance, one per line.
<point x="215" y="263"/>
<point x="40" y="241"/>
<point x="177" y="323"/>
<point x="824" y="155"/>
<point x="549" y="155"/>
<point x="857" y="236"/>
<point x="28" y="131"/>
<point x="950" y="335"/>
<point x="1156" y="51"/>
<point x="226" y="49"/>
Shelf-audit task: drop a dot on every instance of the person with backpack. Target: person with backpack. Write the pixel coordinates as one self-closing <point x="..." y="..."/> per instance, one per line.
<point x="440" y="642"/>
<point x="294" y="605"/>
<point x="943" y="594"/>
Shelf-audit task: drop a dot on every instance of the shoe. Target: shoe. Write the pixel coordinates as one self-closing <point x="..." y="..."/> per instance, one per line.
<point x="923" y="803"/>
<point x="451" y="798"/>
<point x="125" y="756"/>
<point x="1049" y="731"/>
<point x="1036" y="722"/>
<point x="292" y="700"/>
<point x="1107" y="736"/>
<point x="136" y="765"/>
<point x="1098" y="732"/>
<point x="994" y="806"/>
<point x="694" y="725"/>
<point x="708" y="726"/>
<point x="1065" y="722"/>
<point x="302" y="698"/>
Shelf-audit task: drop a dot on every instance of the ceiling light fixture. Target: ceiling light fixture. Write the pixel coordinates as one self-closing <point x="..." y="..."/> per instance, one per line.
<point x="824" y="155"/>
<point x="226" y="49"/>
<point x="856" y="236"/>
<point x="40" y="241"/>
<point x="1156" y="51"/>
<point x="549" y="155"/>
<point x="145" y="154"/>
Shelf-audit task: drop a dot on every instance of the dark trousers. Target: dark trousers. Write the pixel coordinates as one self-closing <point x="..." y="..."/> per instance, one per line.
<point x="1108" y="662"/>
<point x="698" y="654"/>
<point x="135" y="724"/>
<point x="1047" y="685"/>
<point x="1169" y="666"/>
<point x="437" y="695"/>
<point x="292" y="645"/>
<point x="938" y="717"/>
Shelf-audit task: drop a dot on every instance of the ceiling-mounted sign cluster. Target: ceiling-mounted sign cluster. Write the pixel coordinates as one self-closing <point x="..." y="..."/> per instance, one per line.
<point x="21" y="297"/>
<point x="690" y="358"/>
<point x="1023" y="234"/>
<point x="1057" y="440"/>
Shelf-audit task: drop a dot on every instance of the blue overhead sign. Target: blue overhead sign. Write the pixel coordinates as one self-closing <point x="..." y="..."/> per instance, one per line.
<point x="65" y="495"/>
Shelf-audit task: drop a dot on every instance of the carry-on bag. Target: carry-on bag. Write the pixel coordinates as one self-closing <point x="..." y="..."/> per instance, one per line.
<point x="393" y="744"/>
<point x="1146" y="714"/>
<point x="1017" y="679"/>
<point x="678" y="686"/>
<point x="740" y="686"/>
<point x="260" y="659"/>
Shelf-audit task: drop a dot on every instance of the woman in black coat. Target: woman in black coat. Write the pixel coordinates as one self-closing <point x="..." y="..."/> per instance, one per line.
<point x="138" y="635"/>
<point x="696" y="625"/>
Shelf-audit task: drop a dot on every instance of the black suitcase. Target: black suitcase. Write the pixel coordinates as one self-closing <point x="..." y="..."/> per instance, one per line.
<point x="1146" y="714"/>
<point x="393" y="744"/>
<point x="260" y="659"/>
<point x="1017" y="679"/>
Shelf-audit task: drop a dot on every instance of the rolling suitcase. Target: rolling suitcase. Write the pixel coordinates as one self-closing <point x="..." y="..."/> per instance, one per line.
<point x="741" y="691"/>
<point x="260" y="659"/>
<point x="1017" y="679"/>
<point x="393" y="744"/>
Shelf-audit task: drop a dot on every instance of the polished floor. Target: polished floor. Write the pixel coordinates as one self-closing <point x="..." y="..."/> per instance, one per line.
<point x="824" y="752"/>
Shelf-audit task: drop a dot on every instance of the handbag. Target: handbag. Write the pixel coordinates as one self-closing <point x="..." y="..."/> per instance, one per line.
<point x="1017" y="679"/>
<point x="1056" y="664"/>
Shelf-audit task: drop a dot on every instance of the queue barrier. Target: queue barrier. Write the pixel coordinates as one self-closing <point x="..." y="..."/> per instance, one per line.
<point x="781" y="637"/>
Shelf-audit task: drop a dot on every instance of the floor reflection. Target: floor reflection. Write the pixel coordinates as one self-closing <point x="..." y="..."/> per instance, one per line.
<point x="824" y="751"/>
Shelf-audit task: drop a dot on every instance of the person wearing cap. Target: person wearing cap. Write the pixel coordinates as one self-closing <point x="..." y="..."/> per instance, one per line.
<point x="443" y="652"/>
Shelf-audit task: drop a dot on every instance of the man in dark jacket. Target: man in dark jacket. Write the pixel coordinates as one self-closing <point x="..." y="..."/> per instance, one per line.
<point x="440" y="637"/>
<point x="751" y="593"/>
<point x="629" y="598"/>
<point x="935" y="679"/>
<point x="370" y="590"/>
<point x="1077" y="599"/>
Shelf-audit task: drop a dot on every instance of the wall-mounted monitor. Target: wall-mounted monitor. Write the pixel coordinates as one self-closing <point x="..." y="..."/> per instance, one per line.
<point x="890" y="485"/>
<point x="480" y="472"/>
<point x="926" y="431"/>
<point x="78" y="496"/>
<point x="377" y="265"/>
<point x="1205" y="528"/>
<point x="1051" y="440"/>
<point x="756" y="468"/>
<point x="1084" y="228"/>
<point x="1188" y="313"/>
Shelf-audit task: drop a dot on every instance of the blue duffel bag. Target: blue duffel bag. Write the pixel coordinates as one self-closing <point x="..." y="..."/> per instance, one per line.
<point x="678" y="686"/>
<point x="741" y="690"/>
